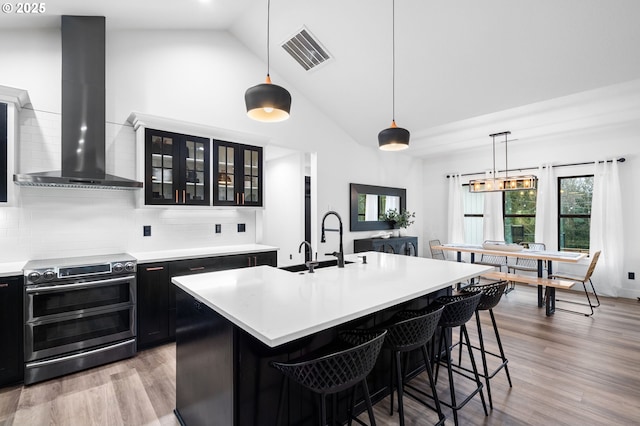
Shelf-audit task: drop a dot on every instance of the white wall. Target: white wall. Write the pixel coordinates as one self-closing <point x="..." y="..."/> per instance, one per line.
<point x="192" y="76"/>
<point x="284" y="212"/>
<point x="568" y="142"/>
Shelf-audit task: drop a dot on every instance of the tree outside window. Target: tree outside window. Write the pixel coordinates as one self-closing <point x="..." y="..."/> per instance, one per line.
<point x="519" y="216"/>
<point x="574" y="207"/>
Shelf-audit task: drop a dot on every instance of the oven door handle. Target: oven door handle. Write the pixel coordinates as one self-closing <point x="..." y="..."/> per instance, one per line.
<point x="78" y="355"/>
<point x="78" y="286"/>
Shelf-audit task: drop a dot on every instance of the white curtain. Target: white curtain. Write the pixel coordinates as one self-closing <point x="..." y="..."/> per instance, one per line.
<point x="546" y="208"/>
<point x="393" y="203"/>
<point x="493" y="222"/>
<point x="371" y="207"/>
<point x="455" y="230"/>
<point x="606" y="233"/>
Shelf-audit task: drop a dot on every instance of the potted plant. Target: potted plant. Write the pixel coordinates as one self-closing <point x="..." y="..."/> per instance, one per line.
<point x="400" y="220"/>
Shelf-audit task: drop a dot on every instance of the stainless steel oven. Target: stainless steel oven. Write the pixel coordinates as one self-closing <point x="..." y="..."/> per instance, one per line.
<point x="79" y="313"/>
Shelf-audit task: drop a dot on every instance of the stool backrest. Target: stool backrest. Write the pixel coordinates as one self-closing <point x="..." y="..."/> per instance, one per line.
<point x="491" y="294"/>
<point x="414" y="332"/>
<point x="458" y="309"/>
<point x="339" y="370"/>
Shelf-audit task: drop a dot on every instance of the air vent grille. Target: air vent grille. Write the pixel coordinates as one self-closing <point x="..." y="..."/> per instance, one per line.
<point x="306" y="50"/>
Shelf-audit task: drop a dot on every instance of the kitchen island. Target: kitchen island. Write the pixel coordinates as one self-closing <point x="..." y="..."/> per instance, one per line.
<point x="230" y="324"/>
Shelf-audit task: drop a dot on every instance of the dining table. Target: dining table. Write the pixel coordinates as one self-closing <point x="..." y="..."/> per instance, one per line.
<point x="510" y="250"/>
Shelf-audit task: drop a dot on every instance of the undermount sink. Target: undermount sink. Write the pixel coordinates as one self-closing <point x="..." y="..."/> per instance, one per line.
<point x="303" y="268"/>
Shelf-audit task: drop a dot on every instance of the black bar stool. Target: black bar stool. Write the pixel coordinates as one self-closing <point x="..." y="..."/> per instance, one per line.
<point x="458" y="309"/>
<point x="403" y="337"/>
<point x="334" y="372"/>
<point x="491" y="295"/>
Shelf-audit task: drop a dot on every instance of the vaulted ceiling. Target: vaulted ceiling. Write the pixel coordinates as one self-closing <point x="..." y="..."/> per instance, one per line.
<point x="455" y="60"/>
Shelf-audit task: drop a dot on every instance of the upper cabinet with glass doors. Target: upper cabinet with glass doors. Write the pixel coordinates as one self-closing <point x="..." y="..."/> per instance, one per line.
<point x="237" y="173"/>
<point x="176" y="169"/>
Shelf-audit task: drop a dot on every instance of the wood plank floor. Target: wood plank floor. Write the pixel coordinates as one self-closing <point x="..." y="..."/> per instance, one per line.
<point x="566" y="370"/>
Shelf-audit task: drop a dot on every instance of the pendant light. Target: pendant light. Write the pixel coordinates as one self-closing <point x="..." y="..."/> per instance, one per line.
<point x="394" y="138"/>
<point x="268" y="102"/>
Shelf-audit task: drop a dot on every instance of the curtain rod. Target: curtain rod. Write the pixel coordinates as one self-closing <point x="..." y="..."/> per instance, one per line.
<point x="620" y="160"/>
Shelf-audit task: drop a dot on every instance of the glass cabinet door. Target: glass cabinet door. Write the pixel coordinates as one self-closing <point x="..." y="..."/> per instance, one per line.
<point x="196" y="170"/>
<point x="176" y="168"/>
<point x="225" y="185"/>
<point x="162" y="150"/>
<point x="238" y="173"/>
<point x="252" y="177"/>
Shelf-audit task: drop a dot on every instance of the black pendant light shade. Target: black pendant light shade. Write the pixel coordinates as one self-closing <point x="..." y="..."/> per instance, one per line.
<point x="268" y="102"/>
<point x="394" y="138"/>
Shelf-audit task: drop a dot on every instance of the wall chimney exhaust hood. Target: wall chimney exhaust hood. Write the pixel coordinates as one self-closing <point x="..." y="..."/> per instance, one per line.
<point x="83" y="111"/>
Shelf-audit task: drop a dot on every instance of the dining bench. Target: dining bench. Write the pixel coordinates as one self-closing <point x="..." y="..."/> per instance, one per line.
<point x="549" y="284"/>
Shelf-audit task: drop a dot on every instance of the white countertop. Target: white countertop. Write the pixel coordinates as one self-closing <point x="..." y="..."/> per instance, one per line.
<point x="10" y="269"/>
<point x="166" y="255"/>
<point x="277" y="306"/>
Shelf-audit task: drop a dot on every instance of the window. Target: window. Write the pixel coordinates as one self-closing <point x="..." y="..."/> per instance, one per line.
<point x="473" y="215"/>
<point x="519" y="216"/>
<point x="3" y="152"/>
<point x="574" y="212"/>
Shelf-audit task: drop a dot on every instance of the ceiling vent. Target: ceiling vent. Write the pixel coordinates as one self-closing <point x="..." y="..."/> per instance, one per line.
<point x="306" y="50"/>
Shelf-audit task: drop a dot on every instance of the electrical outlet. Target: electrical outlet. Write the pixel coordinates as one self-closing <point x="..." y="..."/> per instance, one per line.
<point x="218" y="228"/>
<point x="146" y="231"/>
<point x="242" y="227"/>
<point x="632" y="275"/>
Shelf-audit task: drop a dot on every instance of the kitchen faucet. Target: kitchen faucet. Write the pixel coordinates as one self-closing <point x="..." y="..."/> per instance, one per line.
<point x="340" y="254"/>
<point x="309" y="263"/>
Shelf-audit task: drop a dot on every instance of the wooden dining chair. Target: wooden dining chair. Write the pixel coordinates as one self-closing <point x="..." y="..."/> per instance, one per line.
<point x="583" y="280"/>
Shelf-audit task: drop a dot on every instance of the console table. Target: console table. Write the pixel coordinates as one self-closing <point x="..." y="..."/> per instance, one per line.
<point x="397" y="245"/>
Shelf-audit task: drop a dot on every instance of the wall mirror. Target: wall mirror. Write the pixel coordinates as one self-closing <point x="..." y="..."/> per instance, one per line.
<point x="369" y="203"/>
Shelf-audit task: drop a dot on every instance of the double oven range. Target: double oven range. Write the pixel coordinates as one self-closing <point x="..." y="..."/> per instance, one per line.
<point x="79" y="313"/>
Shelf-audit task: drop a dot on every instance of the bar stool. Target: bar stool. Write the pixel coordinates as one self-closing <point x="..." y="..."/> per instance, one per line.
<point x="403" y="337"/>
<point x="491" y="294"/>
<point x="331" y="373"/>
<point x="458" y="309"/>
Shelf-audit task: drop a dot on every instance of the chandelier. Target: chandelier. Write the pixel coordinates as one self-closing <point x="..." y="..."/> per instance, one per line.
<point x="496" y="183"/>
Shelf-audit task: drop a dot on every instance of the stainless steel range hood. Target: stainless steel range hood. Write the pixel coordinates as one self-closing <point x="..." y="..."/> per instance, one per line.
<point x="83" y="111"/>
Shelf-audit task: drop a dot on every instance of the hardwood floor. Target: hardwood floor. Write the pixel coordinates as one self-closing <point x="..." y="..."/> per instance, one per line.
<point x="566" y="370"/>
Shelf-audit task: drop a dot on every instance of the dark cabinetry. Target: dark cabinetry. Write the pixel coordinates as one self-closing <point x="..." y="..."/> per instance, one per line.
<point x="156" y="293"/>
<point x="176" y="168"/>
<point x="237" y="170"/>
<point x="223" y="373"/>
<point x="398" y="245"/>
<point x="11" y="329"/>
<point x="153" y="304"/>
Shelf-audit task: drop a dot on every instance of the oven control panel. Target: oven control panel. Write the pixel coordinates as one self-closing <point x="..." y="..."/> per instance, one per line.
<point x="36" y="272"/>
